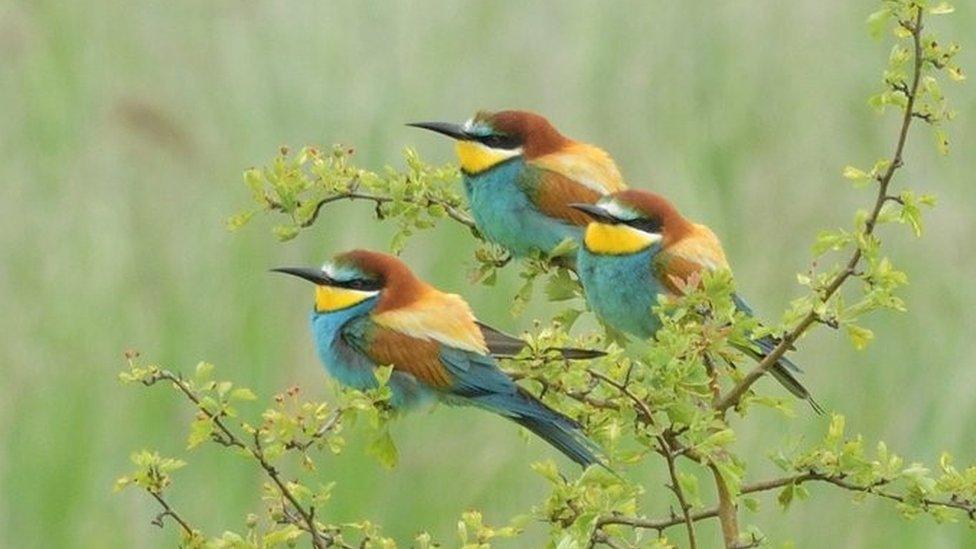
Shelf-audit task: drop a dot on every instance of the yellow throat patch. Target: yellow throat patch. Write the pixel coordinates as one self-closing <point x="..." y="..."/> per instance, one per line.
<point x="476" y="158"/>
<point x="602" y="238"/>
<point x="329" y="298"/>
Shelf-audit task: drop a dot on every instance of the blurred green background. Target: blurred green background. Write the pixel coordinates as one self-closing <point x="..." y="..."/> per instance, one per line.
<point x="124" y="129"/>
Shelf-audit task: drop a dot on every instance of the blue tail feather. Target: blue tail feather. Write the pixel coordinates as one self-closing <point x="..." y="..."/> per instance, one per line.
<point x="785" y="370"/>
<point x="561" y="432"/>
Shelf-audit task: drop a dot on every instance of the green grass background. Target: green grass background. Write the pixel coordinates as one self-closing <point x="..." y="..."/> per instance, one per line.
<point x="125" y="126"/>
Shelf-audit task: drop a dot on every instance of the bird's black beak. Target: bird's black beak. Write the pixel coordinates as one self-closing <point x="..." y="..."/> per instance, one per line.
<point x="444" y="128"/>
<point x="309" y="274"/>
<point x="596" y="212"/>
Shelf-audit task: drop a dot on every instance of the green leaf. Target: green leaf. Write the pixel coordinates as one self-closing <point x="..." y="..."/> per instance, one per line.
<point x="941" y="8"/>
<point x="835" y="432"/>
<point x="203" y="372"/>
<point x="200" y="431"/>
<point x="752" y="504"/>
<point x="785" y="497"/>
<point x="567" y="317"/>
<point x="281" y="536"/>
<point x="238" y="221"/>
<point x="860" y="337"/>
<point x="285" y="232"/>
<point x="942" y="141"/>
<point x="243" y="393"/>
<point x="877" y="22"/>
<point x="689" y="486"/>
<point x="911" y="215"/>
<point x="384" y="450"/>
<point x="831" y="240"/>
<point x="850" y="172"/>
<point x="383" y="374"/>
<point x="548" y="470"/>
<point x="561" y="286"/>
<point x="565" y="247"/>
<point x="423" y="540"/>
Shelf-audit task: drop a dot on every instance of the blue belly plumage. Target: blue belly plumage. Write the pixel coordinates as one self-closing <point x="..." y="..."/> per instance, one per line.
<point x="349" y="366"/>
<point x="621" y="290"/>
<point x="505" y="214"/>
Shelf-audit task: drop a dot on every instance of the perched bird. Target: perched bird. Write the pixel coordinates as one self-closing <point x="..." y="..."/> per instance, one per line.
<point x="371" y="310"/>
<point x="520" y="175"/>
<point x="639" y="246"/>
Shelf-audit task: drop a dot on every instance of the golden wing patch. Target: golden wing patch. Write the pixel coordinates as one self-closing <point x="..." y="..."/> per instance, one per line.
<point x="586" y="165"/>
<point x="698" y="252"/>
<point x="436" y="316"/>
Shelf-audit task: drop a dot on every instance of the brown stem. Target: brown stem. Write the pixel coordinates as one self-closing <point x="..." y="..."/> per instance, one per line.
<point x="642" y="407"/>
<point x="667" y="444"/>
<point x="679" y="494"/>
<point x="170" y="512"/>
<point x="452" y="211"/>
<point x="726" y="510"/>
<point x="884" y="180"/>
<point x="602" y="537"/>
<point x="228" y="438"/>
<point x="326" y="427"/>
<point x="953" y="502"/>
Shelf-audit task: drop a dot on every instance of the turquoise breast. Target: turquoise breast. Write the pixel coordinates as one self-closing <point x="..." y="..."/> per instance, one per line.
<point x="506" y="216"/>
<point x="342" y="361"/>
<point x="621" y="290"/>
<point x="339" y="337"/>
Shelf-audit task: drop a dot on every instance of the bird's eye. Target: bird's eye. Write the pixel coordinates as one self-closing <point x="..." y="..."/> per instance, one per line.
<point x="647" y="225"/>
<point x="499" y="141"/>
<point x="362" y="284"/>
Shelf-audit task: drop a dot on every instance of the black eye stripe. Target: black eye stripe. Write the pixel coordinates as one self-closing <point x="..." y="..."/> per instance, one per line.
<point x="361" y="284"/>
<point x="500" y="141"/>
<point x="646" y="224"/>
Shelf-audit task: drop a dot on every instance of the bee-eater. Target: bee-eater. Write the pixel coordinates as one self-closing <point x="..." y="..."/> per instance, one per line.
<point x="520" y="175"/>
<point x="639" y="246"/>
<point x="371" y="310"/>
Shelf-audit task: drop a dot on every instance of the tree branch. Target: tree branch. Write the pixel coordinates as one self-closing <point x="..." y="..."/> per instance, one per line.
<point x="679" y="494"/>
<point x="378" y="200"/>
<point x="726" y="510"/>
<point x="884" y="180"/>
<point x="954" y="502"/>
<point x="227" y="437"/>
<point x="168" y="511"/>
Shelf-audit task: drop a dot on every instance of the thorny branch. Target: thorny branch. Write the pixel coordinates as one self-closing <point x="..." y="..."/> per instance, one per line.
<point x="168" y="511"/>
<point x="225" y="436"/>
<point x="378" y="200"/>
<point x="967" y="506"/>
<point x="668" y="443"/>
<point x="732" y="398"/>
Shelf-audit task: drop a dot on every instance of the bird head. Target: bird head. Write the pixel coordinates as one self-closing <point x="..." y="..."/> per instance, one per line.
<point x="491" y="138"/>
<point x="631" y="221"/>
<point x="360" y="277"/>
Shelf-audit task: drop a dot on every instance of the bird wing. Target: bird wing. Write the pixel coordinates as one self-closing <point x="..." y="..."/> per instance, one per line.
<point x="584" y="164"/>
<point x="499" y="343"/>
<point x="579" y="173"/>
<point x="694" y="253"/>
<point x="436" y="316"/>
<point x="453" y="370"/>
<point x="411" y="355"/>
<point x="502" y="345"/>
<point x="414" y="341"/>
<point x="702" y="251"/>
<point x="411" y="338"/>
